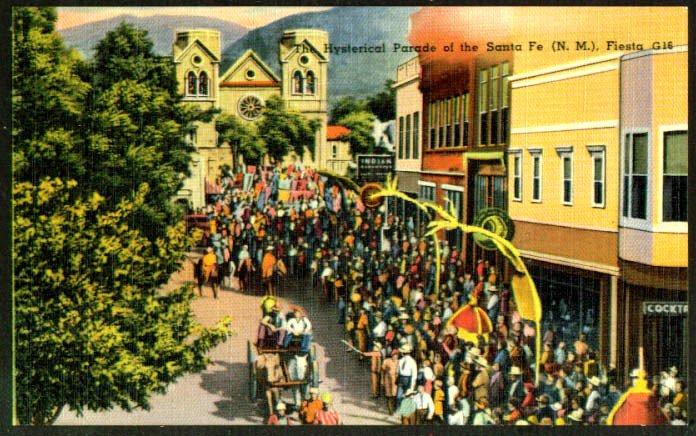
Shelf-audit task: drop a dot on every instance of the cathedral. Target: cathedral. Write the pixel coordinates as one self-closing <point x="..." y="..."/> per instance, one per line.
<point x="242" y="89"/>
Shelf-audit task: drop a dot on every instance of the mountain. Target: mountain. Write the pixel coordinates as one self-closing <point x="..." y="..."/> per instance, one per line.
<point x="356" y="74"/>
<point x="160" y="28"/>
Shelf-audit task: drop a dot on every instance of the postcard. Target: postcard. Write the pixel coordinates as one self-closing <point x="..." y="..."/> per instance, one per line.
<point x="361" y="215"/>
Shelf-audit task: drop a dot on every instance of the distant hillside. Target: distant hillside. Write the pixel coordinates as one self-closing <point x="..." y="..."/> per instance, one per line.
<point x="160" y="28"/>
<point x="349" y="74"/>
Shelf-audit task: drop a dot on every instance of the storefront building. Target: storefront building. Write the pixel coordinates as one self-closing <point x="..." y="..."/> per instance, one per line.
<point x="409" y="128"/>
<point x="653" y="253"/>
<point x="564" y="142"/>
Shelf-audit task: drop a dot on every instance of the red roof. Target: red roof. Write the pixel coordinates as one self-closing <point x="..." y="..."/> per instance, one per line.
<point x="257" y="84"/>
<point x="336" y="132"/>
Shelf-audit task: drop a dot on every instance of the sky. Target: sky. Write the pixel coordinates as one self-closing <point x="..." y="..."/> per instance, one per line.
<point x="248" y="16"/>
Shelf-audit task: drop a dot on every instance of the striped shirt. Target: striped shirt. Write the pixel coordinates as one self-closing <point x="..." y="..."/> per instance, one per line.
<point x="327" y="417"/>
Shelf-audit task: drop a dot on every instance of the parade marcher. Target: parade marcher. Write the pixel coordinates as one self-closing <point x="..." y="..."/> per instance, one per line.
<point x="425" y="407"/>
<point x="280" y="418"/>
<point x="309" y="410"/>
<point x="389" y="380"/>
<point x="327" y="415"/>
<point x="407" y="372"/>
<point x="407" y="408"/>
<point x="375" y="368"/>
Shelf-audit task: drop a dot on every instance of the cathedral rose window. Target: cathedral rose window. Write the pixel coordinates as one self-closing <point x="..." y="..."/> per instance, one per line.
<point x="250" y="107"/>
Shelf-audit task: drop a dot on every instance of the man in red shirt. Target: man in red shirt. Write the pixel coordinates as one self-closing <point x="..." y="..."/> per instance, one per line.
<point x="327" y="416"/>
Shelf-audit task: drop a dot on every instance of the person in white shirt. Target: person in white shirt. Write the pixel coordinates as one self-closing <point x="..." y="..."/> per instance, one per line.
<point x="381" y="328"/>
<point x="425" y="407"/>
<point x="593" y="398"/>
<point x="407" y="371"/>
<point x="452" y="392"/>
<point x="299" y="326"/>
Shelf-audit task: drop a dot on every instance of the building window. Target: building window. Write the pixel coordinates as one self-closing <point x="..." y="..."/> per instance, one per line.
<point x="407" y="146"/>
<point x="517" y="177"/>
<point x="401" y="137"/>
<point x="334" y="151"/>
<point x="416" y="135"/>
<point x="635" y="189"/>
<point x="536" y="177"/>
<point x="431" y="126"/>
<point x="310" y="84"/>
<point x="203" y="84"/>
<point x="567" y="174"/>
<point x="457" y="141"/>
<point x="448" y="122"/>
<point x="454" y="199"/>
<point x="250" y="107"/>
<point x="674" y="178"/>
<point x="465" y="127"/>
<point x="191" y="84"/>
<point x="505" y="103"/>
<point x="598" y="175"/>
<point x="297" y="83"/>
<point x="483" y="107"/>
<point x="493" y="104"/>
<point x="427" y="193"/>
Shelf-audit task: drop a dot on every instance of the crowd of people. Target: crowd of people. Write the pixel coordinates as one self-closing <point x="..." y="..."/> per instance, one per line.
<point x="382" y="277"/>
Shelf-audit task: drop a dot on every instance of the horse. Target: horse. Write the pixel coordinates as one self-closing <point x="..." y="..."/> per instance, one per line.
<point x="297" y="371"/>
<point x="268" y="372"/>
<point x="213" y="279"/>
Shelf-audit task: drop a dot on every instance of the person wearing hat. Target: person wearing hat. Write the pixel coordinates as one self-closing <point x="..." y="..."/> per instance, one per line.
<point x="575" y="417"/>
<point x="375" y="367"/>
<point x="309" y="410"/>
<point x="268" y="266"/>
<point x="299" y="327"/>
<point x="516" y="385"/>
<point x="279" y="418"/>
<point x="593" y="398"/>
<point x="481" y="380"/>
<point x="407" y="372"/>
<point x="407" y="408"/>
<point x="389" y="380"/>
<point x="327" y="415"/>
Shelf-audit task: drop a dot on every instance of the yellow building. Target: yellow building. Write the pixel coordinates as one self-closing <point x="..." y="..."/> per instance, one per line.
<point x="242" y="91"/>
<point x="338" y="158"/>
<point x="597" y="192"/>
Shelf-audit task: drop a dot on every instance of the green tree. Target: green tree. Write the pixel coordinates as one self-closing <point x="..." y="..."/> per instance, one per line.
<point x="137" y="127"/>
<point x="360" y="137"/>
<point x="92" y="330"/>
<point x="47" y="98"/>
<point x="346" y="105"/>
<point x="383" y="104"/>
<point x="283" y="131"/>
<point x="242" y="138"/>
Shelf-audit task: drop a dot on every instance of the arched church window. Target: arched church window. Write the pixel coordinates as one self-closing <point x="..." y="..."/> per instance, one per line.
<point x="203" y="84"/>
<point x="310" y="84"/>
<point x="297" y="83"/>
<point x="192" y="84"/>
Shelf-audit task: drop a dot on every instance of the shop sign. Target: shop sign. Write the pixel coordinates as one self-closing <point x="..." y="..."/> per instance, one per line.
<point x="374" y="167"/>
<point x="665" y="308"/>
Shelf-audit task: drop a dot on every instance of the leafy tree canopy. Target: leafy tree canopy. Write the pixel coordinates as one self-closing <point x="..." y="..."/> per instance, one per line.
<point x="345" y="106"/>
<point x="361" y="128"/>
<point x="283" y="131"/>
<point x="92" y="331"/>
<point x="242" y="137"/>
<point x="383" y="104"/>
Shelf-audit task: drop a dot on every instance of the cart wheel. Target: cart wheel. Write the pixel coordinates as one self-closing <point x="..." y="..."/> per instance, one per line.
<point x="251" y="360"/>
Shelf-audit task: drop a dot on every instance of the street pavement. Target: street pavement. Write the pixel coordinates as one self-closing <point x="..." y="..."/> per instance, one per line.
<point x="219" y="394"/>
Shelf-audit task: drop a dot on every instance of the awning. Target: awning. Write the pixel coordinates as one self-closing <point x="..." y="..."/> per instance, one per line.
<point x="492" y="169"/>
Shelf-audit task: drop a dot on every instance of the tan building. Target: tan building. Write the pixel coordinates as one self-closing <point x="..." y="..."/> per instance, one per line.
<point x="337" y="157"/>
<point x="409" y="132"/>
<point x="242" y="91"/>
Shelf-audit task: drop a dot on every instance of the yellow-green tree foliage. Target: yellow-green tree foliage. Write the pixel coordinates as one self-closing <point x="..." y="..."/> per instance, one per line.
<point x="93" y="327"/>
